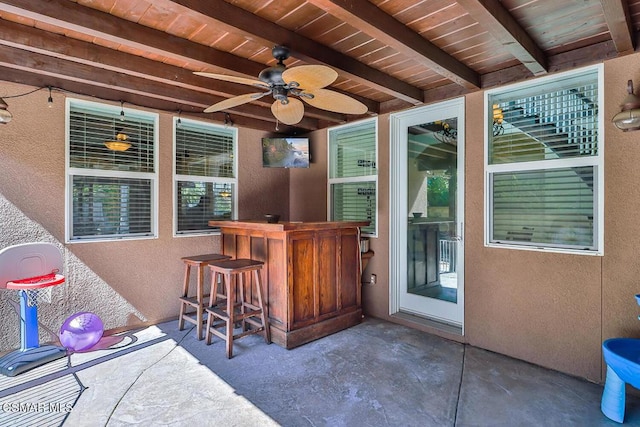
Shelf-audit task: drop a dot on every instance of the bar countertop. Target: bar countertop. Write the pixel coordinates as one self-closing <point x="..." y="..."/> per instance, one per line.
<point x="286" y="225"/>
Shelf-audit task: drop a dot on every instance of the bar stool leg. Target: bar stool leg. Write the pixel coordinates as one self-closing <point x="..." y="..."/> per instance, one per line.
<point x="185" y="293"/>
<point x="241" y="285"/>
<point x="263" y="314"/>
<point x="213" y="295"/>
<point x="231" y="300"/>
<point x="210" y="320"/>
<point x="200" y="296"/>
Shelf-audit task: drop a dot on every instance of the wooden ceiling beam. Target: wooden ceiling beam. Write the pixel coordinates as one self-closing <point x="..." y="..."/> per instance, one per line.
<point x="105" y="94"/>
<point x="40" y="41"/>
<point x="75" y="17"/>
<point x="616" y="14"/>
<point x="588" y="55"/>
<point x="253" y="27"/>
<point x="56" y="45"/>
<point x="136" y="86"/>
<point x="368" y="18"/>
<point x="497" y="21"/>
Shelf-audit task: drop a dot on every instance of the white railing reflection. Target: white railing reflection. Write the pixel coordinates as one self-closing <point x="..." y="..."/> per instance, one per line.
<point x="448" y="256"/>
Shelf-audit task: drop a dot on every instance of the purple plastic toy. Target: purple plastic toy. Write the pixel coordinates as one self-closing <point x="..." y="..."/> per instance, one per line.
<point x="81" y="331"/>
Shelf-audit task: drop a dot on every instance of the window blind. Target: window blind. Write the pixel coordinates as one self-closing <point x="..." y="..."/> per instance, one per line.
<point x="353" y="151"/>
<point x="115" y="207"/>
<point x="352" y="173"/>
<point x="355" y="201"/>
<point x="111" y="192"/>
<point x="204" y="152"/>
<point x="199" y="202"/>
<point x="551" y="207"/>
<point x="205" y="185"/>
<point x="88" y="131"/>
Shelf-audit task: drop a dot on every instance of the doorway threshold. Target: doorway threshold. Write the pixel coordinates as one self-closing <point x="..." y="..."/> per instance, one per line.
<point x="428" y="322"/>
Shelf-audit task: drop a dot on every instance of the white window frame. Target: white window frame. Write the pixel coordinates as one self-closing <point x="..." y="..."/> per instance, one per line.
<point x="596" y="161"/>
<point x="176" y="177"/>
<point x="70" y="172"/>
<point x="366" y="178"/>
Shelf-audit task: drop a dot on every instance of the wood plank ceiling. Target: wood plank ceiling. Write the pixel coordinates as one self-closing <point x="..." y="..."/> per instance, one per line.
<point x="389" y="54"/>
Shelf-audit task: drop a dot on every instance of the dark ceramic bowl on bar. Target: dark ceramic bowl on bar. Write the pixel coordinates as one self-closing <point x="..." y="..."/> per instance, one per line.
<point x="272" y="218"/>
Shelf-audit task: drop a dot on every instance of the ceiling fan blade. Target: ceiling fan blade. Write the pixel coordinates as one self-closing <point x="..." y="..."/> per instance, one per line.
<point x="310" y="76"/>
<point x="334" y="101"/>
<point x="290" y="113"/>
<point x="234" y="102"/>
<point x="233" y="79"/>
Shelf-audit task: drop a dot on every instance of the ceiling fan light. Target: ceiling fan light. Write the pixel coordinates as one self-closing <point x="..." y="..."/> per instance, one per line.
<point x="119" y="144"/>
<point x="5" y="114"/>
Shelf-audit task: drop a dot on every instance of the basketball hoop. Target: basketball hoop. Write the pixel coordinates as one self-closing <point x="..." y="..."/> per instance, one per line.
<point x="38" y="289"/>
<point x="32" y="270"/>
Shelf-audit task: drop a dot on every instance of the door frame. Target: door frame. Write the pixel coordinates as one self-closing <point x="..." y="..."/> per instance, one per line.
<point x="398" y="213"/>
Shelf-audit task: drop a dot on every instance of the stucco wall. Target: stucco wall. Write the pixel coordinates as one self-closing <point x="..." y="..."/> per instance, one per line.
<point x="308" y="189"/>
<point x="621" y="263"/>
<point x="125" y="282"/>
<point x="553" y="309"/>
<point x="535" y="306"/>
<point x="550" y="309"/>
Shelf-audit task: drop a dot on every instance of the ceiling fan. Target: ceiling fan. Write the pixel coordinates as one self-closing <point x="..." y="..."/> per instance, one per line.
<point x="288" y="86"/>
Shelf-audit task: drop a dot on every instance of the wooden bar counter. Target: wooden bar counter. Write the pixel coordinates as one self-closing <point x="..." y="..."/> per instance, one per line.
<point x="311" y="274"/>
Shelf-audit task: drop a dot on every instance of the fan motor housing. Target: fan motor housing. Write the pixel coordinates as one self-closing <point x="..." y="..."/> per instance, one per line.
<point x="280" y="94"/>
<point x="272" y="75"/>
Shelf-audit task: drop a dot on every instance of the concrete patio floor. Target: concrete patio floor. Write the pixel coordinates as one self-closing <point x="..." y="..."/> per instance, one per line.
<point x="374" y="374"/>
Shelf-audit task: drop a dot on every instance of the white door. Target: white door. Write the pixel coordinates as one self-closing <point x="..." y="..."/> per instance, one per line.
<point x="427" y="199"/>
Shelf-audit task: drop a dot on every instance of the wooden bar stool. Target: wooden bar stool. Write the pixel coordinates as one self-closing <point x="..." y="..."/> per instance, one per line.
<point x="197" y="301"/>
<point x="238" y="307"/>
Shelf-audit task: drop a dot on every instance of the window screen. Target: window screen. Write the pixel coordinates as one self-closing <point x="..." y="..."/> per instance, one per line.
<point x="558" y="121"/>
<point x="205" y="175"/>
<point x="111" y="193"/>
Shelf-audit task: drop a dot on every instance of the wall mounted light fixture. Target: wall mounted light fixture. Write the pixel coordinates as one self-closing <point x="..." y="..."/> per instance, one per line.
<point x="227" y="120"/>
<point x="629" y="116"/>
<point x="5" y="115"/>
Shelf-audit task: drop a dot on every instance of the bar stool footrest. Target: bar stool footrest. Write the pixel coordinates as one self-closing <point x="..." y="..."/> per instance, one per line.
<point x="218" y="313"/>
<point x="192" y="301"/>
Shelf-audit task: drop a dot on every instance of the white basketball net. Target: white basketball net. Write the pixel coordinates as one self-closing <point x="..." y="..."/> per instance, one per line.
<point x="38" y="296"/>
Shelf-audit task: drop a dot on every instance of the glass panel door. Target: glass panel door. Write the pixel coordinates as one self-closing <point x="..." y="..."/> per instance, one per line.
<point x="427" y="183"/>
<point x="431" y="202"/>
